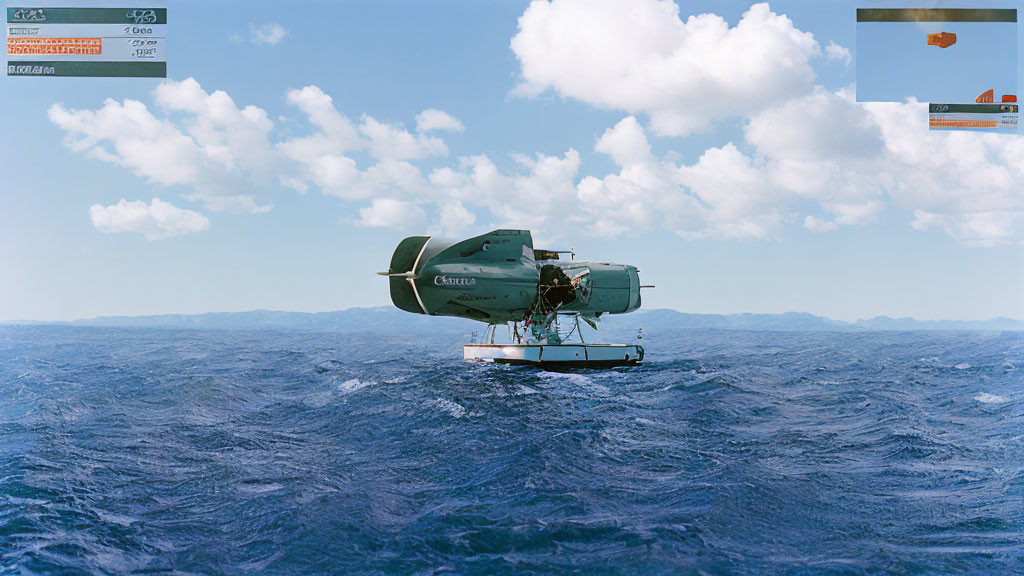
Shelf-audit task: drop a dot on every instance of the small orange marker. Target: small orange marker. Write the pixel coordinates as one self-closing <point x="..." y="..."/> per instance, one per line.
<point x="1009" y="98"/>
<point x="942" y="40"/>
<point x="986" y="97"/>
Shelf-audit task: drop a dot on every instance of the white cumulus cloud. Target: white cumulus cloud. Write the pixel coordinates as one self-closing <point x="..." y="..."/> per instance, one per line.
<point x="818" y="225"/>
<point x="816" y="158"/>
<point x="973" y="228"/>
<point x="156" y="220"/>
<point x="219" y="151"/>
<point x="839" y="53"/>
<point x="391" y="141"/>
<point x="434" y="119"/>
<point x="531" y="197"/>
<point x="455" y="219"/>
<point x="391" y="213"/>
<point x="638" y="56"/>
<point x="824" y="147"/>
<point x="270" y="34"/>
<point x="324" y="158"/>
<point x="822" y="152"/>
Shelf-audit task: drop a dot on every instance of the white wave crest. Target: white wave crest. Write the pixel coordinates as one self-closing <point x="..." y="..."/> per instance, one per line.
<point x="987" y="398"/>
<point x="454" y="409"/>
<point x="353" y="385"/>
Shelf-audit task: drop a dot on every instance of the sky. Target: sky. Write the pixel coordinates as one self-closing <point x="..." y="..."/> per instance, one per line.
<point x="718" y="146"/>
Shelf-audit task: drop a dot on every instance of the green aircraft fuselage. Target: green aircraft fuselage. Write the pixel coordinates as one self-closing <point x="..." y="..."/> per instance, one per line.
<point x="498" y="277"/>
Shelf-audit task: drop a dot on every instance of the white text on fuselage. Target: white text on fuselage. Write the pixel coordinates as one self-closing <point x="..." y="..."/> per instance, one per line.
<point x="448" y="281"/>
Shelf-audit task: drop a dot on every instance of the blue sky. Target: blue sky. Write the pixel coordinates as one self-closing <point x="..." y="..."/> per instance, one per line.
<point x="680" y="146"/>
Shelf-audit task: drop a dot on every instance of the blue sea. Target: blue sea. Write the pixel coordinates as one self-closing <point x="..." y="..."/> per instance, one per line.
<point x="142" y="451"/>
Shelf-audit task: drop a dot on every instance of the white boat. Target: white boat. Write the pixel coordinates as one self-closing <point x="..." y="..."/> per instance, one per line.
<point x="556" y="355"/>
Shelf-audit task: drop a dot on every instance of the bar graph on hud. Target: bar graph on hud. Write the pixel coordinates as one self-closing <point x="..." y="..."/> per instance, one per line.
<point x="959" y="116"/>
<point x="86" y="39"/>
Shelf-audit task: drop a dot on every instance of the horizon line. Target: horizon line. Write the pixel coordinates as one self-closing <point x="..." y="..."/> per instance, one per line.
<point x="25" y="321"/>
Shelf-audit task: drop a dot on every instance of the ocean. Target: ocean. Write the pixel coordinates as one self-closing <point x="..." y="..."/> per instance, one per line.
<point x="148" y="451"/>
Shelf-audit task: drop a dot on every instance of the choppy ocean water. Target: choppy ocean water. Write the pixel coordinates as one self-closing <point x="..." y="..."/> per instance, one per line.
<point x="187" y="452"/>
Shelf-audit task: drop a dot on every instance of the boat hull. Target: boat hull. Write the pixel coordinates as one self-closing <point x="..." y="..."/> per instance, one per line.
<point x="556" y="355"/>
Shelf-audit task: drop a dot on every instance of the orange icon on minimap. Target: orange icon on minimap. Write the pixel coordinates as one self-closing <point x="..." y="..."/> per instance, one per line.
<point x="986" y="97"/>
<point x="942" y="40"/>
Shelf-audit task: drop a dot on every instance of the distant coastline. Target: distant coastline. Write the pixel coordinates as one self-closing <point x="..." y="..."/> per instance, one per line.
<point x="388" y="319"/>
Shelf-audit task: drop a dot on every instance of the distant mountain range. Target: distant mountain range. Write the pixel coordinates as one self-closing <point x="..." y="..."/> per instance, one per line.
<point x="805" y="321"/>
<point x="388" y="319"/>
